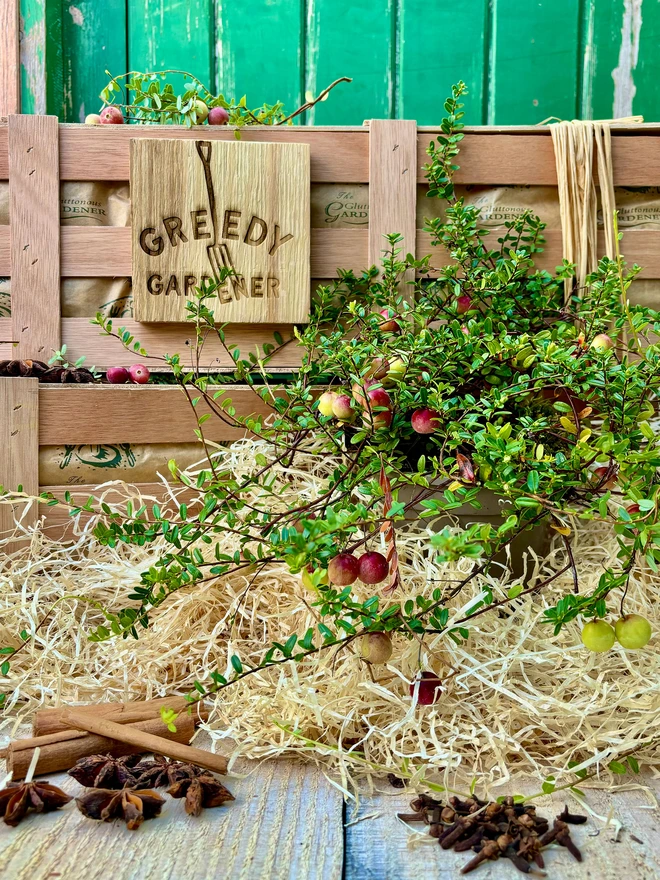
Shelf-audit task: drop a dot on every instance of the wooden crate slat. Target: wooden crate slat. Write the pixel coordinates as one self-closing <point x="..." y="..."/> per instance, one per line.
<point x="6" y="348"/>
<point x="640" y="246"/>
<point x="19" y="461"/>
<point x="34" y="218"/>
<point x="529" y="159"/>
<point x="84" y="339"/>
<point x="10" y="77"/>
<point x="100" y="154"/>
<point x="392" y="187"/>
<point x="105" y="252"/>
<point x="5" y="251"/>
<point x="132" y="414"/>
<point x="91" y="252"/>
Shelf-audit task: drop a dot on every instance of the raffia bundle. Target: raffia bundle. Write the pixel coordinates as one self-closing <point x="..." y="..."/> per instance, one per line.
<point x="574" y="144"/>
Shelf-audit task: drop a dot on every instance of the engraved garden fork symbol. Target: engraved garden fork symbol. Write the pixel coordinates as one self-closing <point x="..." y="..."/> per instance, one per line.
<point x="218" y="252"/>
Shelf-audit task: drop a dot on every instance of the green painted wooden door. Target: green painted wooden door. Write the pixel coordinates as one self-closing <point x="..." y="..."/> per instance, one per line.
<point x="524" y="60"/>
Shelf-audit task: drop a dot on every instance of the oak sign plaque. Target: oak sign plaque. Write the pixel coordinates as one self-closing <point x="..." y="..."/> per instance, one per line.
<point x="198" y="206"/>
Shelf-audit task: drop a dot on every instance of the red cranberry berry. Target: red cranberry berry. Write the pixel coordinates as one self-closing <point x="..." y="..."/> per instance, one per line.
<point x="139" y="374"/>
<point x="343" y="570"/>
<point x="372" y="568"/>
<point x="111" y="116"/>
<point x="218" y="116"/>
<point x="117" y="375"/>
<point x="430" y="688"/>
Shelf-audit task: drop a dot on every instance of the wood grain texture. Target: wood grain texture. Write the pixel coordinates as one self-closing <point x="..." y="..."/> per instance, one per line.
<point x="95" y="153"/>
<point x="10" y="83"/>
<point x="106" y="251"/>
<point x="641" y="246"/>
<point x="82" y="338"/>
<point x="19" y="442"/>
<point x="125" y="414"/>
<point x="224" y="205"/>
<point x="34" y="192"/>
<point x="286" y="822"/>
<point x="392" y="187"/>
<point x="529" y="159"/>
<point x="377" y="845"/>
<point x="495" y="155"/>
<point x="6" y="347"/>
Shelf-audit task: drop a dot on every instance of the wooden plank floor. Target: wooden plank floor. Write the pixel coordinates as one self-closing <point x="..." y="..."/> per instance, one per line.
<point x="289" y="823"/>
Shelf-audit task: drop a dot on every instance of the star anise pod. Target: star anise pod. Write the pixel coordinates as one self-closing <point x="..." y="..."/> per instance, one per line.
<point x="23" y="368"/>
<point x="133" y="805"/>
<point x="161" y="771"/>
<point x="17" y="799"/>
<point x="200" y="792"/>
<point x="81" y="375"/>
<point x="104" y="771"/>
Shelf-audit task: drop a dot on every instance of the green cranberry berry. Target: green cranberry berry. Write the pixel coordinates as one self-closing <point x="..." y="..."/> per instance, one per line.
<point x="633" y="631"/>
<point x="598" y="636"/>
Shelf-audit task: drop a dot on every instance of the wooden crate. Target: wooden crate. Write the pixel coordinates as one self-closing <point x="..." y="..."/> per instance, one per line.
<point x="36" y="153"/>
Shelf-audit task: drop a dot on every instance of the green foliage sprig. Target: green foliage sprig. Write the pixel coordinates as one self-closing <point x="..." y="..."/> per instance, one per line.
<point x="151" y="98"/>
<point x="526" y="406"/>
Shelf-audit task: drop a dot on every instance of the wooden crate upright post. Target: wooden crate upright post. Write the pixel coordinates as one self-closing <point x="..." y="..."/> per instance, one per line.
<point x="392" y="188"/>
<point x="10" y="76"/>
<point x="34" y="220"/>
<point x="19" y="445"/>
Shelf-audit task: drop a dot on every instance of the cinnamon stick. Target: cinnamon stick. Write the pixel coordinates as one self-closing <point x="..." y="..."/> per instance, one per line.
<point x="48" y="721"/>
<point x="61" y="750"/>
<point x="144" y="741"/>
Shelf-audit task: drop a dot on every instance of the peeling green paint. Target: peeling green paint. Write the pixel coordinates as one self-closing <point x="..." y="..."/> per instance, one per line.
<point x="523" y="61"/>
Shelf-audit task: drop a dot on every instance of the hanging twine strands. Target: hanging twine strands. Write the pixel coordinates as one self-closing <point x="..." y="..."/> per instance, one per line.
<point x="578" y="197"/>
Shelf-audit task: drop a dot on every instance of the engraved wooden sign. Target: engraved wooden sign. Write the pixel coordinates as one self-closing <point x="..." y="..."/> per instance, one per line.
<point x="199" y="206"/>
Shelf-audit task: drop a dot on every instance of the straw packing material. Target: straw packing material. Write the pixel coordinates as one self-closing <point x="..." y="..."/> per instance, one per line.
<point x="517" y="700"/>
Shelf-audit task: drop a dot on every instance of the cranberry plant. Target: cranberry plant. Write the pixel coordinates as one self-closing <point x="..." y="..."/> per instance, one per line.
<point x="175" y="97"/>
<point x="478" y="376"/>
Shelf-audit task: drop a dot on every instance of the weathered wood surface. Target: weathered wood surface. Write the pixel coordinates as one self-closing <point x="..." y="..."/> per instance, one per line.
<point x="10" y="82"/>
<point x="19" y="445"/>
<point x="393" y="190"/>
<point x="34" y="218"/>
<point x="133" y="414"/>
<point x="289" y="823"/>
<point x="286" y="822"/>
<point x="380" y="847"/>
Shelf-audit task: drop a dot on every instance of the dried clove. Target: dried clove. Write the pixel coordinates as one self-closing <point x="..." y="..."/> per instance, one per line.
<point x="490" y="850"/>
<point x="396" y="781"/>
<point x="134" y="806"/>
<point x="17" y="799"/>
<point x="564" y="839"/>
<point x="510" y="829"/>
<point x="200" y="792"/>
<point x="468" y="842"/>
<point x="571" y="818"/>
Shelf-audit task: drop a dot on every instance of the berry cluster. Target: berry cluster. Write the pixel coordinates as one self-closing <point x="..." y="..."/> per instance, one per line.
<point x="138" y="373"/>
<point x="632" y="631"/>
<point x="112" y="115"/>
